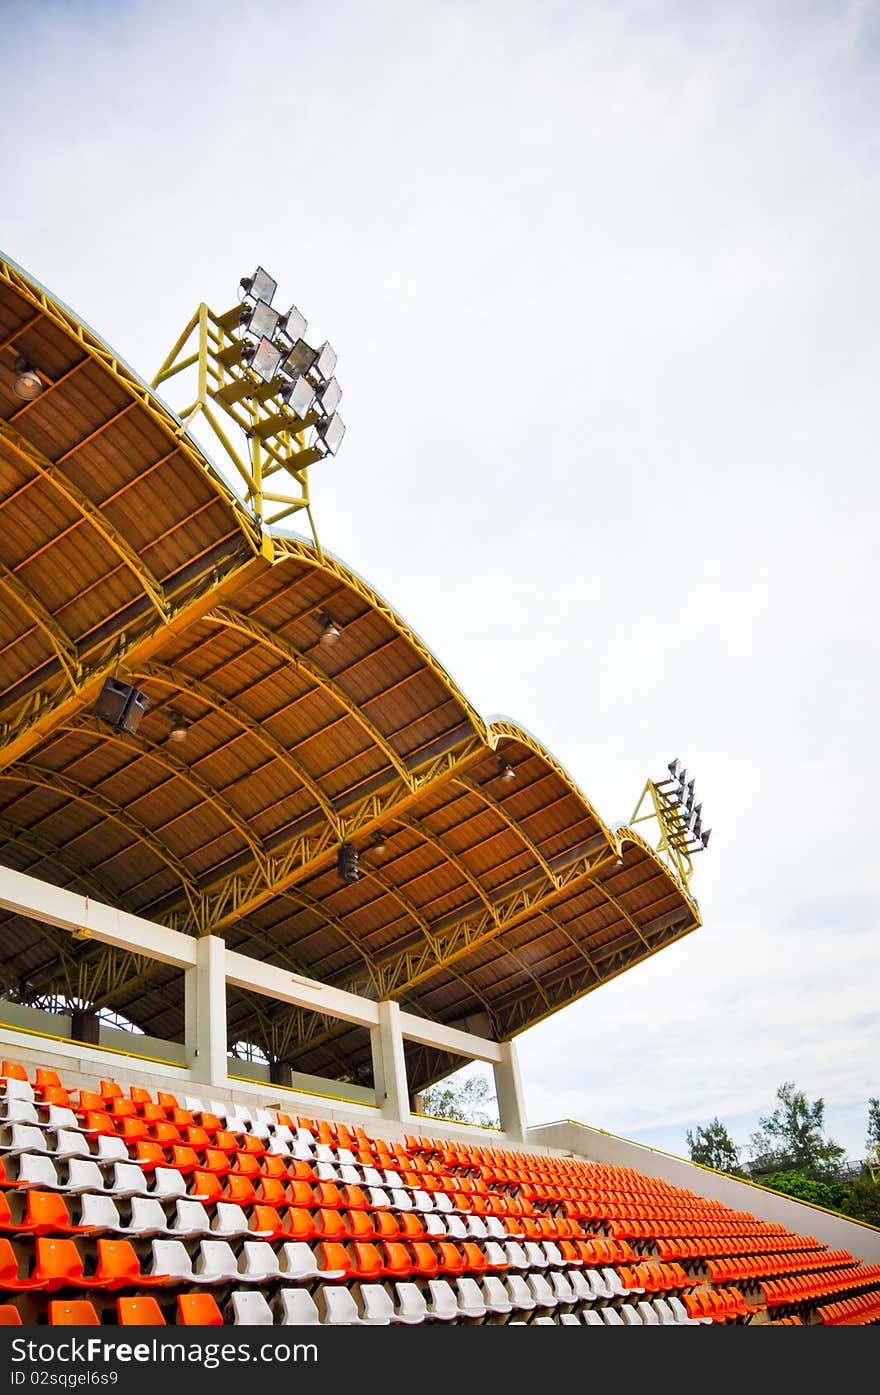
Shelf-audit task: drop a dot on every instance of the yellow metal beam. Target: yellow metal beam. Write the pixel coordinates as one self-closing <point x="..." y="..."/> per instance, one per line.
<point x="25" y="723"/>
<point x="89" y="511"/>
<point x="60" y="640"/>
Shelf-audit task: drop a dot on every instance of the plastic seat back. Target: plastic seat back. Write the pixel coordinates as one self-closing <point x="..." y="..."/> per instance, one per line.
<point x="198" y="1310"/>
<point x="250" y="1309"/>
<point x="299" y="1308"/>
<point x="72" y="1312"/>
<point x="143" y="1311"/>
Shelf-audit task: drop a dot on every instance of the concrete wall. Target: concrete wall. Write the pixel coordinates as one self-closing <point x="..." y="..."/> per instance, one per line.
<point x="862" y="1241"/>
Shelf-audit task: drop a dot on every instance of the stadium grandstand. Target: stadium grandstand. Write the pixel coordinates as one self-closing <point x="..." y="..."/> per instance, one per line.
<point x="266" y="875"/>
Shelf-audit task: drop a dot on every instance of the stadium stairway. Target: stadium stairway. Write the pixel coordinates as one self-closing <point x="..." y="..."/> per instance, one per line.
<point x="131" y="1207"/>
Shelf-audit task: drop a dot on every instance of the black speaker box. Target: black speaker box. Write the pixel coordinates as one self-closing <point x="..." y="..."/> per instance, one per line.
<point x="121" y="705"/>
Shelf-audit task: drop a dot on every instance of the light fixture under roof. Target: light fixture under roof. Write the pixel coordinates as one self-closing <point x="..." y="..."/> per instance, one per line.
<point x="260" y="286"/>
<point x="179" y="727"/>
<point x="28" y="384"/>
<point x="380" y="841"/>
<point x="505" y="769"/>
<point x="329" y="631"/>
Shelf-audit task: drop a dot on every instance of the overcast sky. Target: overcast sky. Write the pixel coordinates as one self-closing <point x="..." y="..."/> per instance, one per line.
<point x="603" y="281"/>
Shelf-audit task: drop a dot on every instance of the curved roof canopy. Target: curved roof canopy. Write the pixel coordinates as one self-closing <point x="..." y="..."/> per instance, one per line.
<point x="482" y="901"/>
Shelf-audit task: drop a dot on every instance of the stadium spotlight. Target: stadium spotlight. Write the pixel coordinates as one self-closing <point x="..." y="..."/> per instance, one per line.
<point x="673" y="768"/>
<point x="331" y="431"/>
<point x="347" y="864"/>
<point x="260" y="286"/>
<point x="179" y="727"/>
<point x="298" y="396"/>
<point x="28" y="384"/>
<point x="325" y="361"/>
<point x="704" y="837"/>
<point x="330" y="631"/>
<point x="380" y="842"/>
<point x="293" y="324"/>
<point x="330" y="396"/>
<point x="263" y="358"/>
<point x="505" y="769"/>
<point x="120" y="705"/>
<point x="300" y="359"/>
<point x="261" y="320"/>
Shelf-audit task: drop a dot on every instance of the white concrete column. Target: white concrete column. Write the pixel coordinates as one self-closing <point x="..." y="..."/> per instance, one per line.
<point x="205" y="988"/>
<point x="509" y="1093"/>
<point x="389" y="1064"/>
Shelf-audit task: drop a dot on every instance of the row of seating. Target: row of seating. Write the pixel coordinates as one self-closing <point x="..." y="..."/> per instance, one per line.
<point x="363" y="1305"/>
<point x="803" y="1287"/>
<point x="724" y="1271"/>
<point x="857" y="1311"/>
<point x="682" y="1248"/>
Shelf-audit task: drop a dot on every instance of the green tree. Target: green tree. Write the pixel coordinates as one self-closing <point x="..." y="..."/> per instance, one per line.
<point x="712" y="1146"/>
<point x="863" y="1201"/>
<point x="832" y="1196"/>
<point x="791" y="1139"/>
<point x="872" y="1142"/>
<point x="461" y="1099"/>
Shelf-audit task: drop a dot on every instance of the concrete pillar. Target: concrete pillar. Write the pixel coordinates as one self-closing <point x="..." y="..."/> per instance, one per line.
<point x="205" y="989"/>
<point x="85" y="1027"/>
<point x="509" y="1093"/>
<point x="389" y="1063"/>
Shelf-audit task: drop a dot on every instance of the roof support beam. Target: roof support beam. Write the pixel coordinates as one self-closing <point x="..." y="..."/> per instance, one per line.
<point x="249" y="886"/>
<point x="90" y="512"/>
<point x="60" y="640"/>
<point x="25" y="724"/>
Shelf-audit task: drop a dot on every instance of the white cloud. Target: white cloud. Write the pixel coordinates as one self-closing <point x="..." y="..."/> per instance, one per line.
<point x="603" y="282"/>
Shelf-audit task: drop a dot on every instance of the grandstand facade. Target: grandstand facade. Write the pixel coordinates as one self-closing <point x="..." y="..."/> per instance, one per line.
<point x="247" y="920"/>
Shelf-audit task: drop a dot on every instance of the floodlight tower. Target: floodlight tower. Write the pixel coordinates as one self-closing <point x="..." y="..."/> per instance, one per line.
<point x="254" y="365"/>
<point x="671" y="801"/>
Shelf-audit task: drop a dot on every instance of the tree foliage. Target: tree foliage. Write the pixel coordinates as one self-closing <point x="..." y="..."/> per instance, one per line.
<point x="791" y="1139"/>
<point x="463" y="1100"/>
<point x="872" y="1141"/>
<point x="713" y="1147"/>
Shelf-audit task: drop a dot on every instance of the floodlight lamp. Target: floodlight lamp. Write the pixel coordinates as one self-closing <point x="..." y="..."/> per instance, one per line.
<point x="325" y="363"/>
<point x="262" y="359"/>
<point x="704" y="837"/>
<point x="330" y="630"/>
<point x="260" y="286"/>
<point x="300" y="359"/>
<point x="293" y="324"/>
<point x="261" y="321"/>
<point x="673" y="767"/>
<point x="27" y="384"/>
<point x="380" y="842"/>
<point x="331" y="396"/>
<point x="298" y="396"/>
<point x="505" y="769"/>
<point x="331" y="431"/>
<point x="179" y="727"/>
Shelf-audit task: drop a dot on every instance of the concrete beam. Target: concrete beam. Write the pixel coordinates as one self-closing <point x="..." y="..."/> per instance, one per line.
<point x="451" y="1039"/>
<point x="286" y="987"/>
<point x="92" y="920"/>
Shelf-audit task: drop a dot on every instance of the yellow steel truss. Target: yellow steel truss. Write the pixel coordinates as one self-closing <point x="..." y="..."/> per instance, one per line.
<point x="273" y="466"/>
<point x="657" y="804"/>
